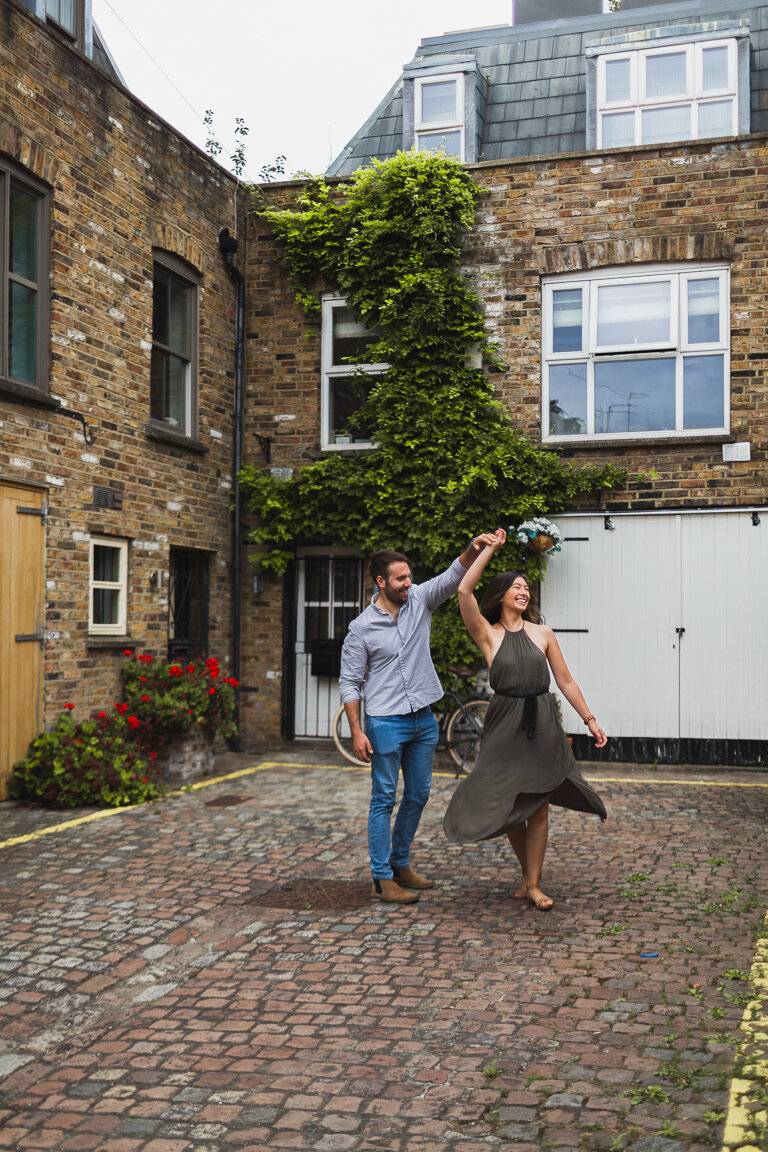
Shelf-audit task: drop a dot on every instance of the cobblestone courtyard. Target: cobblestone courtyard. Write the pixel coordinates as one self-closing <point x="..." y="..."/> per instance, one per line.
<point x="208" y="973"/>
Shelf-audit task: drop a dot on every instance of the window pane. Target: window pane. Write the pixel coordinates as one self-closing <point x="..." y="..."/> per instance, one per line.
<point x="618" y="130"/>
<point x="617" y="80"/>
<point x="350" y="336"/>
<point x="662" y="125"/>
<point x="703" y="392"/>
<point x="316" y="571"/>
<point x="633" y="314"/>
<point x="567" y="399"/>
<point x="714" y="67"/>
<point x="178" y="320"/>
<point x="22" y="256"/>
<point x="634" y="395"/>
<point x="346" y="582"/>
<point x="448" y="142"/>
<point x="665" y="75"/>
<point x="106" y="563"/>
<point x="716" y="119"/>
<point x="566" y="320"/>
<point x="438" y="102"/>
<point x="63" y="12"/>
<point x="22" y="333"/>
<point x="106" y="606"/>
<point x="703" y="311"/>
<point x="168" y="389"/>
<point x="347" y="396"/>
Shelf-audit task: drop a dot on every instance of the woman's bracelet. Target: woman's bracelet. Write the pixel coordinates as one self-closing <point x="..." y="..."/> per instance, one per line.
<point x="589" y="719"/>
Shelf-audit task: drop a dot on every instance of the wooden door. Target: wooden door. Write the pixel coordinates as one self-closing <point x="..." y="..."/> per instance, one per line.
<point x="21" y="623"/>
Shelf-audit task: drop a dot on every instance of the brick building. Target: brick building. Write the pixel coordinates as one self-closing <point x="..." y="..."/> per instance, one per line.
<point x="116" y="378"/>
<point x="620" y="253"/>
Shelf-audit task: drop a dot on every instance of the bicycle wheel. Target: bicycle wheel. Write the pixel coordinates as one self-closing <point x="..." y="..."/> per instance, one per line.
<point x="342" y="737"/>
<point x="463" y="733"/>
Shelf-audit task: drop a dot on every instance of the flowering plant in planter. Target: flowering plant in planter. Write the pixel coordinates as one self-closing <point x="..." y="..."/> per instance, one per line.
<point x="540" y="535"/>
<point x="102" y="761"/>
<point x="171" y="697"/>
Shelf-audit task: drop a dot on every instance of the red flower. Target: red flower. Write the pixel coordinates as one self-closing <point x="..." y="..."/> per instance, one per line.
<point x="212" y="667"/>
<point x="191" y="668"/>
<point x="211" y="691"/>
<point x="153" y="755"/>
<point x="174" y="670"/>
<point x="233" y="682"/>
<point x="70" y="706"/>
<point x="101" y="715"/>
<point x="145" y="659"/>
<point x="122" y="708"/>
<point x="143" y="779"/>
<point x="145" y="698"/>
<point x="134" y="723"/>
<point x="143" y="678"/>
<point x="127" y="652"/>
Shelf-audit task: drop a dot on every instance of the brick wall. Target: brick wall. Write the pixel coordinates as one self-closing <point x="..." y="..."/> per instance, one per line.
<point x="121" y="181"/>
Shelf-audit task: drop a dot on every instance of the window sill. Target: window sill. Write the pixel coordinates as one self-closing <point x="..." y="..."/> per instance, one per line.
<point x="165" y="435"/>
<point x="27" y="394"/>
<point x="111" y="642"/>
<point x="674" y="440"/>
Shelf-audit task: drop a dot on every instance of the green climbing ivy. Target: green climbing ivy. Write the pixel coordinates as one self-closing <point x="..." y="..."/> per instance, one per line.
<point x="447" y="460"/>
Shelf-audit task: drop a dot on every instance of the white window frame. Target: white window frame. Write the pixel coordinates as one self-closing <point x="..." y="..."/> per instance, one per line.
<point x="121" y="585"/>
<point x="456" y="124"/>
<point x="678" y="347"/>
<point x="330" y="371"/>
<point x="694" y="97"/>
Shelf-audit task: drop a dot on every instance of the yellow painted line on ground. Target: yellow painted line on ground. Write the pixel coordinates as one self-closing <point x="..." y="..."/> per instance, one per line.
<point x="104" y="813"/>
<point x="746" y="1124"/>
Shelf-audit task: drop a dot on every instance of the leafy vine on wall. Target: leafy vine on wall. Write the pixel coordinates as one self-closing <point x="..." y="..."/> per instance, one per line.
<point x="447" y="460"/>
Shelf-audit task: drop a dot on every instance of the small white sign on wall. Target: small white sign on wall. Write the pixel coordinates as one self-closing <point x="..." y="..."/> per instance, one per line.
<point x="735" y="452"/>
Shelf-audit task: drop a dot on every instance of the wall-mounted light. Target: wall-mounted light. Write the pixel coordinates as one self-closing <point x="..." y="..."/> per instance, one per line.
<point x="157" y="579"/>
<point x="608" y="524"/>
<point x="755" y="518"/>
<point x="257" y="585"/>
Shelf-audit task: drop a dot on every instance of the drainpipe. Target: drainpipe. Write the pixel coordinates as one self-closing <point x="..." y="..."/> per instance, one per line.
<point x="228" y="248"/>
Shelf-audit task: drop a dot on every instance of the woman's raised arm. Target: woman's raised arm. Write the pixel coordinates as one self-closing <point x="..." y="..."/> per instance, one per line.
<point x="477" y="626"/>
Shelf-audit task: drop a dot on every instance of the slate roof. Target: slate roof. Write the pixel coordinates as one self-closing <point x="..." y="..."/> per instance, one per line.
<point x="536" y="78"/>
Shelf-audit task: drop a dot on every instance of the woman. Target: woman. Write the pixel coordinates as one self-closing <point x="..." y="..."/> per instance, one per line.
<point x="525" y="761"/>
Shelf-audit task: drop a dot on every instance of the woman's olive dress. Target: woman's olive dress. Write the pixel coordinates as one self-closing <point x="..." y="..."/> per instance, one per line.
<point x="524" y="758"/>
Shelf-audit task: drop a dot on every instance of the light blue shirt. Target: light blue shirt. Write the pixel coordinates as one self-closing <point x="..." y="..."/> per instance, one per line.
<point x="389" y="658"/>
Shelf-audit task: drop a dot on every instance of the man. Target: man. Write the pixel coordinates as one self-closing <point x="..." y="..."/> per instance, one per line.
<point x="386" y="651"/>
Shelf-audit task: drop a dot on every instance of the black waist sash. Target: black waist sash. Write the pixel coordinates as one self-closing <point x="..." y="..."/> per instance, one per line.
<point x="530" y="709"/>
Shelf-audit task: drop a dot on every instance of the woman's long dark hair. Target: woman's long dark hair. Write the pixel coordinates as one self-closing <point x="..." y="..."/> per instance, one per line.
<point x="494" y="594"/>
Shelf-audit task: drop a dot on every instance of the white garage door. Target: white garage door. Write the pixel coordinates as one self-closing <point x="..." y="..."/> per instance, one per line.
<point x="663" y="621"/>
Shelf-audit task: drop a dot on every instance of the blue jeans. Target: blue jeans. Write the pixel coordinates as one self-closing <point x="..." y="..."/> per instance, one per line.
<point x="406" y="742"/>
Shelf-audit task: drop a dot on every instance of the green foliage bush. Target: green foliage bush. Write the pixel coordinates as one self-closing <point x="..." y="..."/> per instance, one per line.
<point x="447" y="461"/>
<point x="96" y="762"/>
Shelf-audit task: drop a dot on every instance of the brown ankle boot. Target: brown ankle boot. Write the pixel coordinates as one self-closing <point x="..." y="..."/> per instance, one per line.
<point x="391" y="893"/>
<point x="407" y="878"/>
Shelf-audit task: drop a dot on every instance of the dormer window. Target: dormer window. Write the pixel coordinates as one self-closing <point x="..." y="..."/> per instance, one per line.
<point x="63" y="13"/>
<point x="439" y="118"/>
<point x="658" y="95"/>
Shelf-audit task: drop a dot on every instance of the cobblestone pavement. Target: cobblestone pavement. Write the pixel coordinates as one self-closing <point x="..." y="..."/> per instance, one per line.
<point x="208" y="973"/>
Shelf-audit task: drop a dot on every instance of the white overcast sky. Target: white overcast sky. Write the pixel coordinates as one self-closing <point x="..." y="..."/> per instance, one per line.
<point x="303" y="75"/>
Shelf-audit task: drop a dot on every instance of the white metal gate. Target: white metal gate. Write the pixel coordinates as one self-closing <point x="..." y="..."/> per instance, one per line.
<point x="329" y="594"/>
<point x="663" y="619"/>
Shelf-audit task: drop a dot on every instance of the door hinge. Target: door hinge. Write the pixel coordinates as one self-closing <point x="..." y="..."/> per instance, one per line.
<point x="41" y="512"/>
<point x="27" y="637"/>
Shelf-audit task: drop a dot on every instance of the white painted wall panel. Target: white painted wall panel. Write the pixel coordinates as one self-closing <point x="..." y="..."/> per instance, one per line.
<point x="632" y="588"/>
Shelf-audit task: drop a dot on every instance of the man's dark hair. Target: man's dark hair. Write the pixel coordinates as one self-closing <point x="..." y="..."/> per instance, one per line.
<point x="380" y="562"/>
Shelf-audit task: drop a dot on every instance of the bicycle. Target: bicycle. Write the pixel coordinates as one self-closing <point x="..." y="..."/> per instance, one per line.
<point x="459" y="726"/>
